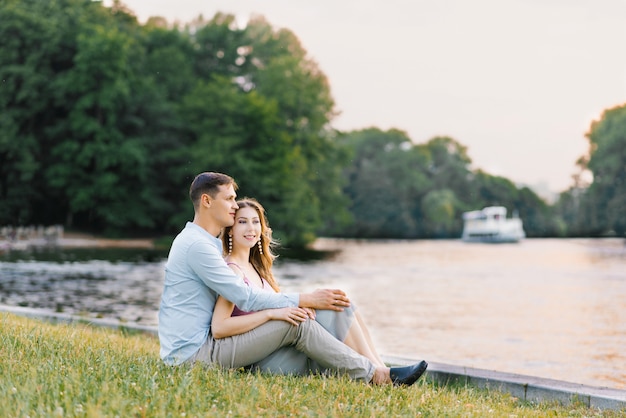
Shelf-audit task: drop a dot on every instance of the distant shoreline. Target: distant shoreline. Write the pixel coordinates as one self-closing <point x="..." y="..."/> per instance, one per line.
<point x="77" y="240"/>
<point x="84" y="240"/>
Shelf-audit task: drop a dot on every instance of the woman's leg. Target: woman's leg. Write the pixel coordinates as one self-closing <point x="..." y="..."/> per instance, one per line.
<point x="368" y="339"/>
<point x="348" y="326"/>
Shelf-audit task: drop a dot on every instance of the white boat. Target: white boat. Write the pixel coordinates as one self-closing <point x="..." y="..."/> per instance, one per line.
<point x="491" y="225"/>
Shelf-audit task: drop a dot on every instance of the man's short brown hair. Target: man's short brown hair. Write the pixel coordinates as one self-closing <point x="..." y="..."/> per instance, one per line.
<point x="208" y="183"/>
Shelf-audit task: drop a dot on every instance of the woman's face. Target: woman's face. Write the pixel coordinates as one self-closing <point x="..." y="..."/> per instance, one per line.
<point x="247" y="228"/>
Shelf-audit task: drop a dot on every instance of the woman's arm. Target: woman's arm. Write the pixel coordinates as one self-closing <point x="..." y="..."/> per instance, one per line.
<point x="224" y="325"/>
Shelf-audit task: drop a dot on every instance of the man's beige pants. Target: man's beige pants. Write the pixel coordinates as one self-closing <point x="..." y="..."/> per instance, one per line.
<point x="276" y="346"/>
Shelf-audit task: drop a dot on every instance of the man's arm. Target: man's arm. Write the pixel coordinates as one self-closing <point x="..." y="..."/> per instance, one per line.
<point x="330" y="299"/>
<point x="207" y="262"/>
<point x="209" y="265"/>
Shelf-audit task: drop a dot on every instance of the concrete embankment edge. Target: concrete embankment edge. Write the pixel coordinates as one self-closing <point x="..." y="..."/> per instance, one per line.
<point x="528" y="388"/>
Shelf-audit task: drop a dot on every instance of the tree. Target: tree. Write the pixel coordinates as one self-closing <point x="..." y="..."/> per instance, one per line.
<point x="109" y="117"/>
<point x="427" y="187"/>
<point x="241" y="134"/>
<point x="384" y="182"/>
<point x="220" y="48"/>
<point x="568" y="206"/>
<point x="449" y="163"/>
<point x="494" y="190"/>
<point x="603" y="204"/>
<point x="439" y="208"/>
<point x="28" y="43"/>
<point x="168" y="76"/>
<point x="109" y="121"/>
<point x="98" y="165"/>
<point x="81" y="115"/>
<point x="450" y="192"/>
<point x="282" y="72"/>
<point x="540" y="220"/>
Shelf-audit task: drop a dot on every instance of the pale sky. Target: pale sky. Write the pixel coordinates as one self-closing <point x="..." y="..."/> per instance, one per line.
<point x="516" y="81"/>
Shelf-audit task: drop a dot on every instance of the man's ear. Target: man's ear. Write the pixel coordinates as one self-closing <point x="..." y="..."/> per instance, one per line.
<point x="206" y="199"/>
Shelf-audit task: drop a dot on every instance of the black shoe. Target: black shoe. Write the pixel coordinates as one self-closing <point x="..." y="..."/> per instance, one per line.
<point x="407" y="375"/>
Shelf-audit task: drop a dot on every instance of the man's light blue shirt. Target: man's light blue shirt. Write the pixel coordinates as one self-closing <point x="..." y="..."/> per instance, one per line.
<point x="195" y="275"/>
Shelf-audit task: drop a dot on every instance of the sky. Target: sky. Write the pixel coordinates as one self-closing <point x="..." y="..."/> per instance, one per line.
<point x="518" y="82"/>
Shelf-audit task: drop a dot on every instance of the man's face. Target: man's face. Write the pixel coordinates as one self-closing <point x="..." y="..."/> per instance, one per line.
<point x="224" y="206"/>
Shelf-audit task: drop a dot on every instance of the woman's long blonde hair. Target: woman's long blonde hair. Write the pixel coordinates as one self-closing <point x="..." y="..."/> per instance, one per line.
<point x="262" y="262"/>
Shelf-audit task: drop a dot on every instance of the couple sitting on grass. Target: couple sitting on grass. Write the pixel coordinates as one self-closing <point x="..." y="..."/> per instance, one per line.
<point x="221" y="304"/>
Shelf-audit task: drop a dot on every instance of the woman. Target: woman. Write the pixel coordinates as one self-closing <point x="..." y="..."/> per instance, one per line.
<point x="248" y="251"/>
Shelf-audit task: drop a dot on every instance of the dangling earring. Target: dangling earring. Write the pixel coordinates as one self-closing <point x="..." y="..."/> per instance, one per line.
<point x="260" y="247"/>
<point x="230" y="244"/>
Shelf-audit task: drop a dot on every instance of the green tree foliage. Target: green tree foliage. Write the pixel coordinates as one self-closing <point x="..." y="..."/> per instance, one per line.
<point x="227" y="124"/>
<point x="449" y="163"/>
<point x="405" y="190"/>
<point x="264" y="116"/>
<point x="439" y="207"/>
<point x="568" y="207"/>
<point x="399" y="189"/>
<point x="97" y="163"/>
<point x="105" y="121"/>
<point x="283" y="72"/>
<point x="382" y="183"/>
<point x="24" y="75"/>
<point x="602" y="205"/>
<point x="90" y="116"/>
<point x="494" y="190"/>
<point x="450" y="193"/>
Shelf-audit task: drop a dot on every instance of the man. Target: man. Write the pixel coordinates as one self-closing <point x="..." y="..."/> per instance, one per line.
<point x="195" y="274"/>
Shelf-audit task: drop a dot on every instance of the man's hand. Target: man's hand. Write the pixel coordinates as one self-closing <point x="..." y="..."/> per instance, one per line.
<point x="330" y="299"/>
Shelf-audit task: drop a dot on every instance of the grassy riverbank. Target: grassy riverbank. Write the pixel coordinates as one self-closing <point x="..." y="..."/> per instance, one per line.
<point x="71" y="370"/>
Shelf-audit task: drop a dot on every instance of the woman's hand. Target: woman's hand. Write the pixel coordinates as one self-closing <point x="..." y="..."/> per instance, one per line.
<point x="292" y="315"/>
<point x="310" y="312"/>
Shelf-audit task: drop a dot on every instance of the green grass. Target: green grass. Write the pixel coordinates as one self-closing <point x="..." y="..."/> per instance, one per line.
<point x="60" y="370"/>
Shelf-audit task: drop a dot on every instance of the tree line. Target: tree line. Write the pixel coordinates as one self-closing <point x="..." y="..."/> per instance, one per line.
<point x="104" y="122"/>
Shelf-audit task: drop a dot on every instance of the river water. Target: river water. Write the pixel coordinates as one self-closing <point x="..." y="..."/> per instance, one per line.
<point x="553" y="308"/>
